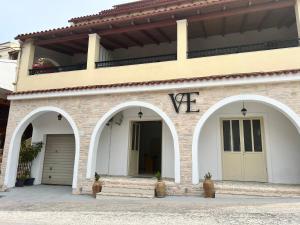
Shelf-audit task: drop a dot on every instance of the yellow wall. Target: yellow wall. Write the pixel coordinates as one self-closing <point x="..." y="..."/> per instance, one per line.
<point x="271" y="60"/>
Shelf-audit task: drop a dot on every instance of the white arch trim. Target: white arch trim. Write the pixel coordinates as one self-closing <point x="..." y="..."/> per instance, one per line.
<point x="284" y="109"/>
<point x="101" y="123"/>
<point x="14" y="146"/>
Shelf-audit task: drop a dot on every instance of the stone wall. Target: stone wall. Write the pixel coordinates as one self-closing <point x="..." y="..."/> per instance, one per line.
<point x="87" y="110"/>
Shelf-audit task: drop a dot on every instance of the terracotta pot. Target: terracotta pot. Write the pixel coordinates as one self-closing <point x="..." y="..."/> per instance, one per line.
<point x="209" y="188"/>
<point x="97" y="187"/>
<point x="160" y="189"/>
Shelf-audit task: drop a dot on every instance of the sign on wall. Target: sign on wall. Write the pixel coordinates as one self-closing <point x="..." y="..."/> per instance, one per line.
<point x="186" y="100"/>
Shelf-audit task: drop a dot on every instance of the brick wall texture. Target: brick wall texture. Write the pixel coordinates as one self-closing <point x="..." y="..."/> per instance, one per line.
<point x="87" y="110"/>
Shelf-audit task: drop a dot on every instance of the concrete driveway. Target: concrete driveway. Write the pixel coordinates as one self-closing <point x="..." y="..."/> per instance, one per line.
<point x="56" y="205"/>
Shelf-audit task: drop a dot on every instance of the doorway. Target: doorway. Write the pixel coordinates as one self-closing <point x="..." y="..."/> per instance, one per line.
<point x="145" y="148"/>
<point x="243" y="150"/>
<point x="59" y="159"/>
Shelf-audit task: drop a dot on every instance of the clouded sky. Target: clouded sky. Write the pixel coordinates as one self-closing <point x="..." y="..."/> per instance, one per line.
<point x="24" y="16"/>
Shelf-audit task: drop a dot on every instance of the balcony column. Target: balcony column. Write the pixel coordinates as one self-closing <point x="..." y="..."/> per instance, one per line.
<point x="27" y="56"/>
<point x="297" y="12"/>
<point x="182" y="39"/>
<point x="93" y="51"/>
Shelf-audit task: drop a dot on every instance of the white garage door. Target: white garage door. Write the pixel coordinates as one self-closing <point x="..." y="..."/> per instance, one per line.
<point x="59" y="160"/>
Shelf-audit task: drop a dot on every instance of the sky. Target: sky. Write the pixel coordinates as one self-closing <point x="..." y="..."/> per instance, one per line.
<point x="25" y="16"/>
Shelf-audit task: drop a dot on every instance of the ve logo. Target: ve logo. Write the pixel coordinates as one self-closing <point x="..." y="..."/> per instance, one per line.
<point x="184" y="98"/>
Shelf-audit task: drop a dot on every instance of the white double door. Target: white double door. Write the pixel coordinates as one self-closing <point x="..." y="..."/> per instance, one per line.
<point x="243" y="152"/>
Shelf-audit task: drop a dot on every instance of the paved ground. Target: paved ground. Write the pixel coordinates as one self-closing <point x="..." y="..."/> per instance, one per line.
<point x="56" y="206"/>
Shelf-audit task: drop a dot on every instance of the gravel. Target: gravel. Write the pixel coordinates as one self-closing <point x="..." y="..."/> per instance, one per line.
<point x="56" y="206"/>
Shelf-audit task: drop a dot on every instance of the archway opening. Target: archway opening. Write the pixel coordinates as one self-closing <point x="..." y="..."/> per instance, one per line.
<point x="261" y="146"/>
<point x="135" y="145"/>
<point x="134" y="139"/>
<point x="57" y="161"/>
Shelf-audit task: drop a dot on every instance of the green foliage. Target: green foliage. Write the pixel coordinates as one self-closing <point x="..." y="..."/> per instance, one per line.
<point x="158" y="175"/>
<point x="29" y="152"/>
<point x="97" y="176"/>
<point x="208" y="176"/>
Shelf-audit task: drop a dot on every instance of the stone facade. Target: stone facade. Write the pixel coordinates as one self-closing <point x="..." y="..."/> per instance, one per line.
<point x="87" y="110"/>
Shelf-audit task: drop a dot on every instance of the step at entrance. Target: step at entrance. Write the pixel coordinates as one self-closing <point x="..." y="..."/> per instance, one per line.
<point x="257" y="189"/>
<point x="128" y="187"/>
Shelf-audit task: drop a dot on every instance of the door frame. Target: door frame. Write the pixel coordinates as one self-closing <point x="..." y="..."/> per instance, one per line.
<point x="130" y="149"/>
<point x="263" y="137"/>
<point x="146" y="119"/>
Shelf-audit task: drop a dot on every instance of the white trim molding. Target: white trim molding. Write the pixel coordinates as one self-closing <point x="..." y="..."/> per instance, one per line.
<point x="161" y="87"/>
<point x="14" y="146"/>
<point x="284" y="109"/>
<point x="91" y="164"/>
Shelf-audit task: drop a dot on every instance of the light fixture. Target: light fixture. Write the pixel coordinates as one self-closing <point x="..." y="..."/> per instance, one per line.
<point x="59" y="117"/>
<point x="244" y="110"/>
<point x="140" y="114"/>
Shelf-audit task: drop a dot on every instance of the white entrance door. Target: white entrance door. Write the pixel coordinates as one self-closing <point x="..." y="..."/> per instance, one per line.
<point x="59" y="160"/>
<point x="134" y="149"/>
<point x="243" y="150"/>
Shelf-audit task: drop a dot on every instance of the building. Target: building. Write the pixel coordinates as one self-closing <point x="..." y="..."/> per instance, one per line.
<point x="9" y="50"/>
<point x="8" y="64"/>
<point x="177" y="86"/>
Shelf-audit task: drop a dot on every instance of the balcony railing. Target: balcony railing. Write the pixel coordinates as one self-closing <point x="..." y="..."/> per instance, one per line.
<point x="134" y="61"/>
<point x="245" y="48"/>
<point x="57" y="69"/>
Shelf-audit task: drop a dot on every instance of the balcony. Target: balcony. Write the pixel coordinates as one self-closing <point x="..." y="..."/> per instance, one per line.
<point x="269" y="45"/>
<point x="136" y="61"/>
<point x="262" y="46"/>
<point x="57" y="69"/>
<point x="216" y="43"/>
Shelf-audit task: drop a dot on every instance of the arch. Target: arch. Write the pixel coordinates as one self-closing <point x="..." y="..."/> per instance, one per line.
<point x="101" y="123"/>
<point x="284" y="109"/>
<point x="14" y="147"/>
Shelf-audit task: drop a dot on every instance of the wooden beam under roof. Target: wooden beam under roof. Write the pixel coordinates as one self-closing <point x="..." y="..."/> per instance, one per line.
<point x="150" y="36"/>
<point x="116" y="42"/>
<point x="82" y="43"/>
<point x="133" y="39"/>
<point x="203" y="26"/>
<point x="202" y="17"/>
<point x="139" y="27"/>
<point x="290" y="22"/>
<point x="108" y="46"/>
<point x="63" y="50"/>
<point x="224" y="20"/>
<point x="205" y="16"/>
<point x="74" y="46"/>
<point x="283" y="19"/>
<point x="244" y="23"/>
<point x="264" y="19"/>
<point x="242" y="10"/>
<point x="163" y="34"/>
<point x="61" y="39"/>
<point x="224" y="26"/>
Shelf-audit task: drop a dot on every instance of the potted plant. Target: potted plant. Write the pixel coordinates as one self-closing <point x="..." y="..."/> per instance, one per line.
<point x="97" y="186"/>
<point x="208" y="186"/>
<point x="160" y="187"/>
<point x="29" y="180"/>
<point x="27" y="154"/>
<point x="20" y="181"/>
